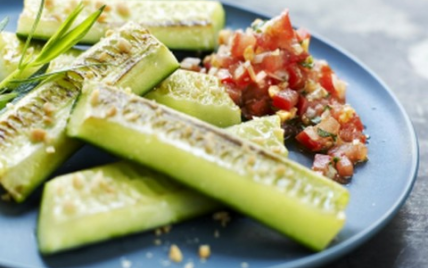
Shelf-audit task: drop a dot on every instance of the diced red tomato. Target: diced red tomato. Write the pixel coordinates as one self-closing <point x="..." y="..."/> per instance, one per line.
<point x="302" y="105"/>
<point x="250" y="62"/>
<point x="321" y="163"/>
<point x="240" y="41"/>
<point x="296" y="78"/>
<point x="302" y="34"/>
<point x="344" y="167"/>
<point x="285" y="99"/>
<point x="355" y="152"/>
<point x="326" y="80"/>
<point x="281" y="29"/>
<point x="310" y="139"/>
<point x="330" y="125"/>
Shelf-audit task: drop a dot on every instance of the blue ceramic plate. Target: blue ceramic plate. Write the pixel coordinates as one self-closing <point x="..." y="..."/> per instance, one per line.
<point x="378" y="190"/>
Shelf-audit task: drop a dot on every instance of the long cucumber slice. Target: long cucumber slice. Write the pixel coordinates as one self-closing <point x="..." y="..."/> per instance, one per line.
<point x="189" y="25"/>
<point x="32" y="131"/>
<point x="199" y="95"/>
<point x="272" y="189"/>
<point x="111" y="201"/>
<point x="123" y="198"/>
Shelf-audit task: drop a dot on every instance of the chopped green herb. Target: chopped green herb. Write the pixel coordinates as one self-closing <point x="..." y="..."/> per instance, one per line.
<point x="258" y="25"/>
<point x="336" y="159"/>
<point x="308" y="63"/>
<point x="326" y="134"/>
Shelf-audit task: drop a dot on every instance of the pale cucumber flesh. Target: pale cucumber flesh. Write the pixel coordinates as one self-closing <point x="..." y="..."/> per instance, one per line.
<point x="264" y="131"/>
<point x="32" y="131"/>
<point x="187" y="25"/>
<point x="199" y="95"/>
<point x="272" y="189"/>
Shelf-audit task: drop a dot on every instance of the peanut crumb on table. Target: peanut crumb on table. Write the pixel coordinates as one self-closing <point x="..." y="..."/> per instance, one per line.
<point x="175" y="254"/>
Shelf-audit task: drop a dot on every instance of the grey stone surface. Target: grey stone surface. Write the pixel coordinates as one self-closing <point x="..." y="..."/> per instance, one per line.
<point x="391" y="38"/>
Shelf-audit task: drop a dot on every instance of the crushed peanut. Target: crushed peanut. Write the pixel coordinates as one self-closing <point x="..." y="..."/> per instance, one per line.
<point x="48" y="108"/>
<point x="69" y="207"/>
<point x="111" y="112"/>
<point x="102" y="18"/>
<point x="204" y="251"/>
<point x="38" y="135"/>
<point x="124" y="46"/>
<point x="122" y="9"/>
<point x="175" y="254"/>
<point x="95" y="97"/>
<point x="77" y="182"/>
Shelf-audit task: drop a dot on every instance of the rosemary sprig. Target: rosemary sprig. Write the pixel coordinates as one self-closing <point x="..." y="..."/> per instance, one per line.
<point x="3" y="23"/>
<point x="60" y="42"/>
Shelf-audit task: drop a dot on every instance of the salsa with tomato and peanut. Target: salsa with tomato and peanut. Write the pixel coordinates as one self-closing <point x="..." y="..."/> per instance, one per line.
<point x="268" y="69"/>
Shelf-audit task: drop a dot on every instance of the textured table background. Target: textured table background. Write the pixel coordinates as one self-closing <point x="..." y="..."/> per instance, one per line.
<point x="391" y="38"/>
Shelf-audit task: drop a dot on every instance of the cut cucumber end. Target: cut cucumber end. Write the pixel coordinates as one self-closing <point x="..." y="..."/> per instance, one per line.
<point x="272" y="189"/>
<point x="199" y="95"/>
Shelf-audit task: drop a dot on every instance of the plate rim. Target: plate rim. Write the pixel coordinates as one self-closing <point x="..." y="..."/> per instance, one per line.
<point x="334" y="252"/>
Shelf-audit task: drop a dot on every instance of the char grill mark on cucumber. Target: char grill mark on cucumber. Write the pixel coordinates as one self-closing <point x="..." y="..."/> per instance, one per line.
<point x="281" y="193"/>
<point x="32" y="131"/>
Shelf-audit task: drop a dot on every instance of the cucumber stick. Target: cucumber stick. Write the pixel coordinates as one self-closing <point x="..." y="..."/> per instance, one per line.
<point x="110" y="201"/>
<point x="93" y="205"/>
<point x="272" y="189"/>
<point x="189" y="25"/>
<point x="199" y="95"/>
<point x="32" y="131"/>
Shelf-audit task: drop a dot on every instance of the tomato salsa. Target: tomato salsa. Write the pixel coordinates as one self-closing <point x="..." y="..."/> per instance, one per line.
<point x="268" y="69"/>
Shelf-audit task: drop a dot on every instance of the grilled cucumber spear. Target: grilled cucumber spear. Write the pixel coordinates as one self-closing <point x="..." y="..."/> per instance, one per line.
<point x="190" y="25"/>
<point x="272" y="189"/>
<point x="88" y="206"/>
<point x="32" y="131"/>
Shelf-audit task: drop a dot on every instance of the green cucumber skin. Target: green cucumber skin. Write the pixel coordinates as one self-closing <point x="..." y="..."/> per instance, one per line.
<point x="56" y="235"/>
<point x="25" y="164"/>
<point x="159" y="133"/>
<point x="126" y="199"/>
<point x="199" y="95"/>
<point x="187" y="25"/>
